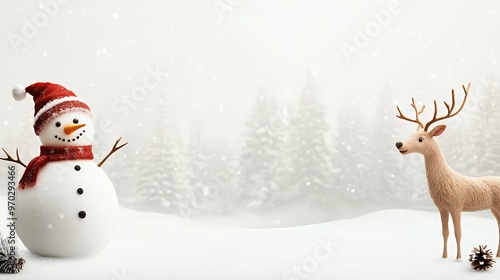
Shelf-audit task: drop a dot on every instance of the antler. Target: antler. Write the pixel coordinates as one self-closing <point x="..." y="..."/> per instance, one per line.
<point x="417" y="112"/>
<point x="450" y="109"/>
<point x="113" y="150"/>
<point x="10" y="158"/>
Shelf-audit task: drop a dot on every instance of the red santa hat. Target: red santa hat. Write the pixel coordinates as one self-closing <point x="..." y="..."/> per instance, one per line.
<point x="51" y="101"/>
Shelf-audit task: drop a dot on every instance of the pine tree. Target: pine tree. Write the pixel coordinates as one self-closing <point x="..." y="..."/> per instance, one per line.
<point x="163" y="184"/>
<point x="384" y="159"/>
<point x="354" y="156"/>
<point x="483" y="155"/>
<point x="224" y="177"/>
<point x="310" y="164"/>
<point x="260" y="156"/>
<point x="208" y="165"/>
<point x="199" y="170"/>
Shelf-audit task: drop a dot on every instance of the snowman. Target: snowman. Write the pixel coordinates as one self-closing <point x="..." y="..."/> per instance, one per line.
<point x="65" y="204"/>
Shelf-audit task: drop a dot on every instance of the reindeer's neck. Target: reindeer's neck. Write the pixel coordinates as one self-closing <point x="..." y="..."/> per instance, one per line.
<point x="437" y="170"/>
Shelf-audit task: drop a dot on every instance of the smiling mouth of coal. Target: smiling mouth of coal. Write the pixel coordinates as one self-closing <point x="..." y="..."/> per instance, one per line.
<point x="70" y="139"/>
<point x="403" y="151"/>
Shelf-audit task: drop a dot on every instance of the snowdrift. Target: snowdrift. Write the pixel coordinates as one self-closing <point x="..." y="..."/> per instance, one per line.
<point x="390" y="244"/>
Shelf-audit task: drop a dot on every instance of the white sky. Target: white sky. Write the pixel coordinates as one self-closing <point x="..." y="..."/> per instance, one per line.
<point x="216" y="65"/>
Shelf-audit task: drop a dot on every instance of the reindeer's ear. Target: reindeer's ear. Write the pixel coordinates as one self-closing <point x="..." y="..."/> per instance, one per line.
<point x="438" y="130"/>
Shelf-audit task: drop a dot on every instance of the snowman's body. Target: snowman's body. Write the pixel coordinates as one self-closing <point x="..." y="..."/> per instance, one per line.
<point x="71" y="211"/>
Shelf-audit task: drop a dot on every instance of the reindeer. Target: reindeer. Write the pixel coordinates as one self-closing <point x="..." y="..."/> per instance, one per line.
<point x="452" y="193"/>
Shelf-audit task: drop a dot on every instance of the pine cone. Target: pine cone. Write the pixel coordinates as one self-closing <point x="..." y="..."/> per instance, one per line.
<point x="482" y="258"/>
<point x="9" y="263"/>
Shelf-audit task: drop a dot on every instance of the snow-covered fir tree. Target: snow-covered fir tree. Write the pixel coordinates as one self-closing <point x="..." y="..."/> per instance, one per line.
<point x="224" y="176"/>
<point x="209" y="176"/>
<point x="310" y="177"/>
<point x="162" y="183"/>
<point x="483" y="155"/>
<point x="354" y="156"/>
<point x="199" y="170"/>
<point x="259" y="159"/>
<point x="334" y="148"/>
<point x="384" y="157"/>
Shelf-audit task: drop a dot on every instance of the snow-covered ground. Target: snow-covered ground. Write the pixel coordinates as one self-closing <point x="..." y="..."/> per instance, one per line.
<point x="390" y="244"/>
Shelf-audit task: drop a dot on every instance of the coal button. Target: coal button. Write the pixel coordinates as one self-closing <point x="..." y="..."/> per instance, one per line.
<point x="82" y="214"/>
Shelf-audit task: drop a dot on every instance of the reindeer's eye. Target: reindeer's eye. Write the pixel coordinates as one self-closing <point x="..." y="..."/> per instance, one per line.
<point x="421" y="139"/>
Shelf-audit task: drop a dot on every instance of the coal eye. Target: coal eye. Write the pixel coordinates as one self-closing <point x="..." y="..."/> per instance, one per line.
<point x="421" y="139"/>
<point x="75" y="120"/>
<point x="58" y="124"/>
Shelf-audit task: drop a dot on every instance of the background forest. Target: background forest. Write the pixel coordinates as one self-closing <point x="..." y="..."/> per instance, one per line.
<point x="292" y="159"/>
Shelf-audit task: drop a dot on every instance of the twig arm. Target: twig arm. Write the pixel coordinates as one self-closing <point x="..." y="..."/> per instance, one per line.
<point x="113" y="150"/>
<point x="10" y="158"/>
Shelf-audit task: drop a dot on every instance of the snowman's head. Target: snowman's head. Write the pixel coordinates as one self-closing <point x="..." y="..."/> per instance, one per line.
<point x="73" y="128"/>
<point x="61" y="118"/>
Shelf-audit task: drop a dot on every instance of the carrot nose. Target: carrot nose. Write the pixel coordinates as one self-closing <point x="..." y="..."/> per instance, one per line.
<point x="70" y="128"/>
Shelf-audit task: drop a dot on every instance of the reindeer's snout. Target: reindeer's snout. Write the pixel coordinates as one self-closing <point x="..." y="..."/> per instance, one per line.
<point x="399" y="144"/>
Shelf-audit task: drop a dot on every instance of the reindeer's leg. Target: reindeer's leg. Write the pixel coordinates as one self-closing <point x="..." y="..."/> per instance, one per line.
<point x="456" y="217"/>
<point x="444" y="223"/>
<point x="496" y="213"/>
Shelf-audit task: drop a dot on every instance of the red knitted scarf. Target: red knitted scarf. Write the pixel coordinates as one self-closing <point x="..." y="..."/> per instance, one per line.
<point x="52" y="153"/>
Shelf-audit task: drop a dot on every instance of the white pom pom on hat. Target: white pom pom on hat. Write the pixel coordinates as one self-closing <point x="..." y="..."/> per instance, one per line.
<point x="18" y="92"/>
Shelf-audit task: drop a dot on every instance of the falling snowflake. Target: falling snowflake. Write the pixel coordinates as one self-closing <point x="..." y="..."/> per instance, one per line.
<point x="206" y="191"/>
